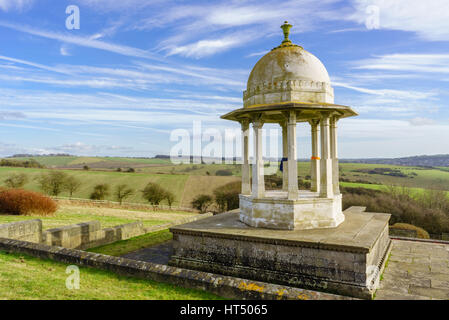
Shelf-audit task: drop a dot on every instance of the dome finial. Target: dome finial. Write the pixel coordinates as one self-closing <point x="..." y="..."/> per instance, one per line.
<point x="286" y="28"/>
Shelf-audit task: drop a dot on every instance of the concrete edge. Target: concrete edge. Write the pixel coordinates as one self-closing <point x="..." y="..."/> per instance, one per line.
<point x="225" y="286"/>
<point x="419" y="240"/>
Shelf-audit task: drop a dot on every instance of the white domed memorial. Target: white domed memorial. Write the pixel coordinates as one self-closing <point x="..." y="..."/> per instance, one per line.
<point x="289" y="86"/>
<point x="297" y="238"/>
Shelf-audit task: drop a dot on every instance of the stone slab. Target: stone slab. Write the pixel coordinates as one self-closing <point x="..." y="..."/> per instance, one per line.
<point x="416" y="270"/>
<point x="358" y="233"/>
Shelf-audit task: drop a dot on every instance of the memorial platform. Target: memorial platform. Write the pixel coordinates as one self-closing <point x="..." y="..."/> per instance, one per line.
<point x="345" y="260"/>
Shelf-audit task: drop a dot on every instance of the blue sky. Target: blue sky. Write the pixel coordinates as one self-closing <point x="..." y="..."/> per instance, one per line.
<point x="136" y="70"/>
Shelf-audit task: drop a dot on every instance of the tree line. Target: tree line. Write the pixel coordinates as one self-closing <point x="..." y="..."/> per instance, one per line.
<point x="54" y="183"/>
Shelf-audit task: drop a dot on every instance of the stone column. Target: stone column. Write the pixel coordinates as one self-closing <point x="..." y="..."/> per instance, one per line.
<point x="334" y="155"/>
<point x="284" y="156"/>
<point x="315" y="159"/>
<point x="258" y="169"/>
<point x="246" y="184"/>
<point x="326" y="188"/>
<point x="292" y="164"/>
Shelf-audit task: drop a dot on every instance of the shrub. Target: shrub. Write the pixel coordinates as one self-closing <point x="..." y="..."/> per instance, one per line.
<point x="227" y="196"/>
<point x="100" y="192"/>
<point x="31" y="163"/>
<point x="401" y="205"/>
<point x="23" y="202"/>
<point x="420" y="232"/>
<point x="273" y="182"/>
<point x="202" y="202"/>
<point x="223" y="172"/>
<point x="16" y="180"/>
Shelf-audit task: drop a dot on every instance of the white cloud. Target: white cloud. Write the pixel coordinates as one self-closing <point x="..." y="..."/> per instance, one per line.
<point x="218" y="26"/>
<point x="6" y="115"/>
<point x="407" y="62"/>
<point x="401" y="94"/>
<point x="32" y="64"/>
<point x="257" y="54"/>
<point x="83" y="41"/>
<point x="428" y="19"/>
<point x="19" y="5"/>
<point x="203" y="48"/>
<point x="419" y="121"/>
<point x="64" y="51"/>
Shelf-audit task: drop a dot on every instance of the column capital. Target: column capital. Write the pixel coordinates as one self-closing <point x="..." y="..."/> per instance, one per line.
<point x="333" y="120"/>
<point x="314" y="123"/>
<point x="325" y="114"/>
<point x="283" y="123"/>
<point x="257" y="121"/>
<point x="245" y="124"/>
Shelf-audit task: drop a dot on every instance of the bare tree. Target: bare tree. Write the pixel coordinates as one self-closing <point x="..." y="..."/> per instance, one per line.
<point x="72" y="184"/>
<point x="53" y="182"/>
<point x="16" y="180"/>
<point x="122" y="192"/>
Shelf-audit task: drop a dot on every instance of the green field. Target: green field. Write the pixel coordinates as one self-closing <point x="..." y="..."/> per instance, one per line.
<point x="100" y="162"/>
<point x="26" y="278"/>
<point x="188" y="180"/>
<point x="108" y="217"/>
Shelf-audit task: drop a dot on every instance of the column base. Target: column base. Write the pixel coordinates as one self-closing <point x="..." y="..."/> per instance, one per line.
<point x="275" y="211"/>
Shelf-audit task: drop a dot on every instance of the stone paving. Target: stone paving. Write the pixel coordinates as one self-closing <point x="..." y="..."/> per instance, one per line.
<point x="160" y="253"/>
<point x="416" y="271"/>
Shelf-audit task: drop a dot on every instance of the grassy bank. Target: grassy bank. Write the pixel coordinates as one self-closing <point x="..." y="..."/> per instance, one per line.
<point x="120" y="248"/>
<point x="27" y="278"/>
<point x="108" y="217"/>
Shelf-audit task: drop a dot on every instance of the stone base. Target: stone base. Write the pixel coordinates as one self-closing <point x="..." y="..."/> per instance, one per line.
<point x="346" y="260"/>
<point x="275" y="211"/>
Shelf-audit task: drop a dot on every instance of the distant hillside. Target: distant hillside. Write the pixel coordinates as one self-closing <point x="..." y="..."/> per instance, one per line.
<point x="440" y="160"/>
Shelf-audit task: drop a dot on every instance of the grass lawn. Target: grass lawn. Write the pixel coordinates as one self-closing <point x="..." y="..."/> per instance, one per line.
<point x="125" y="246"/>
<point x="24" y="278"/>
<point x="108" y="217"/>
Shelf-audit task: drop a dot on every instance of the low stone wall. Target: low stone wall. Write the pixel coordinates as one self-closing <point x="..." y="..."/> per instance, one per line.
<point x="30" y="230"/>
<point x="89" y="234"/>
<point x="84" y="235"/>
<point x="225" y="286"/>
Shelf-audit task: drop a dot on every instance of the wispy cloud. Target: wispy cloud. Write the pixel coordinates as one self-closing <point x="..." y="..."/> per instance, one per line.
<point x="428" y="19"/>
<point x="407" y="62"/>
<point x="420" y="121"/>
<point x="402" y="94"/>
<point x="207" y="29"/>
<point x="4" y="115"/>
<point x="19" y="5"/>
<point x="83" y="41"/>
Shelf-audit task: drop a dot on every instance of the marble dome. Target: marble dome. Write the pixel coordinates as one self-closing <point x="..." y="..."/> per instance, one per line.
<point x="288" y="73"/>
